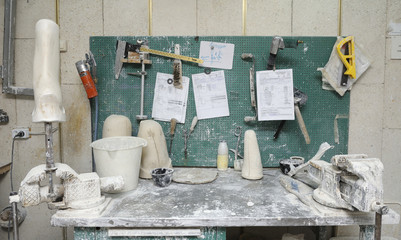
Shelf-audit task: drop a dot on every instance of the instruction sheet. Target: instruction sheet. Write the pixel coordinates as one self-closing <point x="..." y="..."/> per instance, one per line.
<point x="275" y="95"/>
<point x="216" y="55"/>
<point x="210" y="95"/>
<point x="169" y="102"/>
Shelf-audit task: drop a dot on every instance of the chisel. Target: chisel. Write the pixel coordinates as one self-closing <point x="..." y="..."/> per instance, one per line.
<point x="191" y="129"/>
<point x="173" y="122"/>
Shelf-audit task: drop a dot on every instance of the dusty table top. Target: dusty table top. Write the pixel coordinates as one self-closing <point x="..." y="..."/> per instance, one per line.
<point x="229" y="201"/>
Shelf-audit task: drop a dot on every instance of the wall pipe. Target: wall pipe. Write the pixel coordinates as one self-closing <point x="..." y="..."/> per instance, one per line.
<point x="7" y="70"/>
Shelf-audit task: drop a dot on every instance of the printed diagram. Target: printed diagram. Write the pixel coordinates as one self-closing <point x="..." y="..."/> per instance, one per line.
<point x="275" y="95"/>
<point x="210" y="95"/>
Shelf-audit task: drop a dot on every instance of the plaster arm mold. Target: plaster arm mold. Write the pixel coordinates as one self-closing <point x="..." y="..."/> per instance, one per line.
<point x="77" y="191"/>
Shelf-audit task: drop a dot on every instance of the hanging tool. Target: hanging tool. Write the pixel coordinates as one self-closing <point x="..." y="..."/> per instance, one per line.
<point x="90" y="88"/>
<point x="300" y="98"/>
<point x="142" y="57"/>
<point x="348" y="58"/>
<point x="247" y="56"/>
<point x="173" y="123"/>
<point x="177" y="69"/>
<point x="237" y="162"/>
<point x="130" y="53"/>
<point x="90" y="60"/>
<point x="127" y="52"/>
<point x="277" y="44"/>
<point x="187" y="134"/>
<point x="85" y="75"/>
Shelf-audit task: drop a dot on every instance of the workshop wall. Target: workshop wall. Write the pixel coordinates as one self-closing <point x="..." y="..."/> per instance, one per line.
<point x="375" y="116"/>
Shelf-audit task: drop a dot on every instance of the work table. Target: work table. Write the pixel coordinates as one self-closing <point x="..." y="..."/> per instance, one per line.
<point x="229" y="201"/>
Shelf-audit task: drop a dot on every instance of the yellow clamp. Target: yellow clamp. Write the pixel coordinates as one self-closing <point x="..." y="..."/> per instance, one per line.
<point x="348" y="60"/>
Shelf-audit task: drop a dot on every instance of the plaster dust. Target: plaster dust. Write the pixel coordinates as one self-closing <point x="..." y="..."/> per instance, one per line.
<point x="229" y="201"/>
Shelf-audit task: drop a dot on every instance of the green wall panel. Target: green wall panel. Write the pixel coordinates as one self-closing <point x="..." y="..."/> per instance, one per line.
<point x="122" y="96"/>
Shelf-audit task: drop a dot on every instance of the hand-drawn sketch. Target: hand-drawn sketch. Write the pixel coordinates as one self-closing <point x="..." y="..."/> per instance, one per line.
<point x="216" y="55"/>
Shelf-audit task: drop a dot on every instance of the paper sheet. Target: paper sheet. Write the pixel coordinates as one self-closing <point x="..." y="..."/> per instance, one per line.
<point x="169" y="102"/>
<point x="210" y="95"/>
<point x="333" y="70"/>
<point x="216" y="55"/>
<point x="275" y="95"/>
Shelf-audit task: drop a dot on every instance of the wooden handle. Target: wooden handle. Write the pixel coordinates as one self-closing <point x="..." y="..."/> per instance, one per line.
<point x="173" y="122"/>
<point x="302" y="124"/>
<point x="193" y="124"/>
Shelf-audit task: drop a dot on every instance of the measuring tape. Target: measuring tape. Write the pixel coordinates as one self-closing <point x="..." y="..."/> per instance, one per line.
<point x="171" y="55"/>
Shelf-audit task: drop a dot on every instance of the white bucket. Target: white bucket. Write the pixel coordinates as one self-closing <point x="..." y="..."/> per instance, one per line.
<point x="119" y="156"/>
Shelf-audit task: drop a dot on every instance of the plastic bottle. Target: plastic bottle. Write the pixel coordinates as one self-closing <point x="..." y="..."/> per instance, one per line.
<point x="222" y="156"/>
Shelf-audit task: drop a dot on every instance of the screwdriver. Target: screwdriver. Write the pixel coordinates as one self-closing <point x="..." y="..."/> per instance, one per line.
<point x="191" y="129"/>
<point x="173" y="122"/>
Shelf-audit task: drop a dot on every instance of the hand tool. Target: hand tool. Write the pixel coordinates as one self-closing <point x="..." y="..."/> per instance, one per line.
<point x="344" y="77"/>
<point x="127" y="52"/>
<point x="187" y="134"/>
<point x="177" y="69"/>
<point x="300" y="98"/>
<point x="90" y="60"/>
<point x="246" y="56"/>
<point x="143" y="73"/>
<point x="86" y="78"/>
<point x="277" y="44"/>
<point x="173" y="123"/>
<point x="237" y="133"/>
<point x="348" y="59"/>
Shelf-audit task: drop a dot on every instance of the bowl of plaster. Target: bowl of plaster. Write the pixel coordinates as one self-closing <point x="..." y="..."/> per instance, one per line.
<point x="162" y="176"/>
<point x="286" y="165"/>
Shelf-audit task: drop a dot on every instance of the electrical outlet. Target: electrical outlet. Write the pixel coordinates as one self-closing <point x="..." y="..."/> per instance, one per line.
<point x="17" y="130"/>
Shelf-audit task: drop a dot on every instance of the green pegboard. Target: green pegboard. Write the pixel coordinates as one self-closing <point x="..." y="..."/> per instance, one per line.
<point x="122" y="96"/>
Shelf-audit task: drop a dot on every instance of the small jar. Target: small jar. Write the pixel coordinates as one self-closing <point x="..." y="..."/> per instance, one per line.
<point x="222" y="156"/>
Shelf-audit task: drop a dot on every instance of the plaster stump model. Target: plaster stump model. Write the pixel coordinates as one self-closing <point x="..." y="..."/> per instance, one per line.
<point x="155" y="155"/>
<point x="117" y="125"/>
<point x="252" y="168"/>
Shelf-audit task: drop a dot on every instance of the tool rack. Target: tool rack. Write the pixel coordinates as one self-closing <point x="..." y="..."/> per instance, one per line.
<point x="122" y="96"/>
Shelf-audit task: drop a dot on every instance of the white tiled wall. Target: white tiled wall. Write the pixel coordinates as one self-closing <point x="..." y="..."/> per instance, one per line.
<point x="375" y="116"/>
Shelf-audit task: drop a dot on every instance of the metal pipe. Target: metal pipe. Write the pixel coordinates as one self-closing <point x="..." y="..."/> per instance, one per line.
<point x="50" y="166"/>
<point x="15" y="217"/>
<point x="142" y="82"/>
<point x="7" y="70"/>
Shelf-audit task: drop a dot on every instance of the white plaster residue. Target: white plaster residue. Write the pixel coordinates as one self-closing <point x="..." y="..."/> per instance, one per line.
<point x="305" y="48"/>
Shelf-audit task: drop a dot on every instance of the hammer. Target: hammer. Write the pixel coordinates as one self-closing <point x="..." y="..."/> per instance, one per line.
<point x="300" y="99"/>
